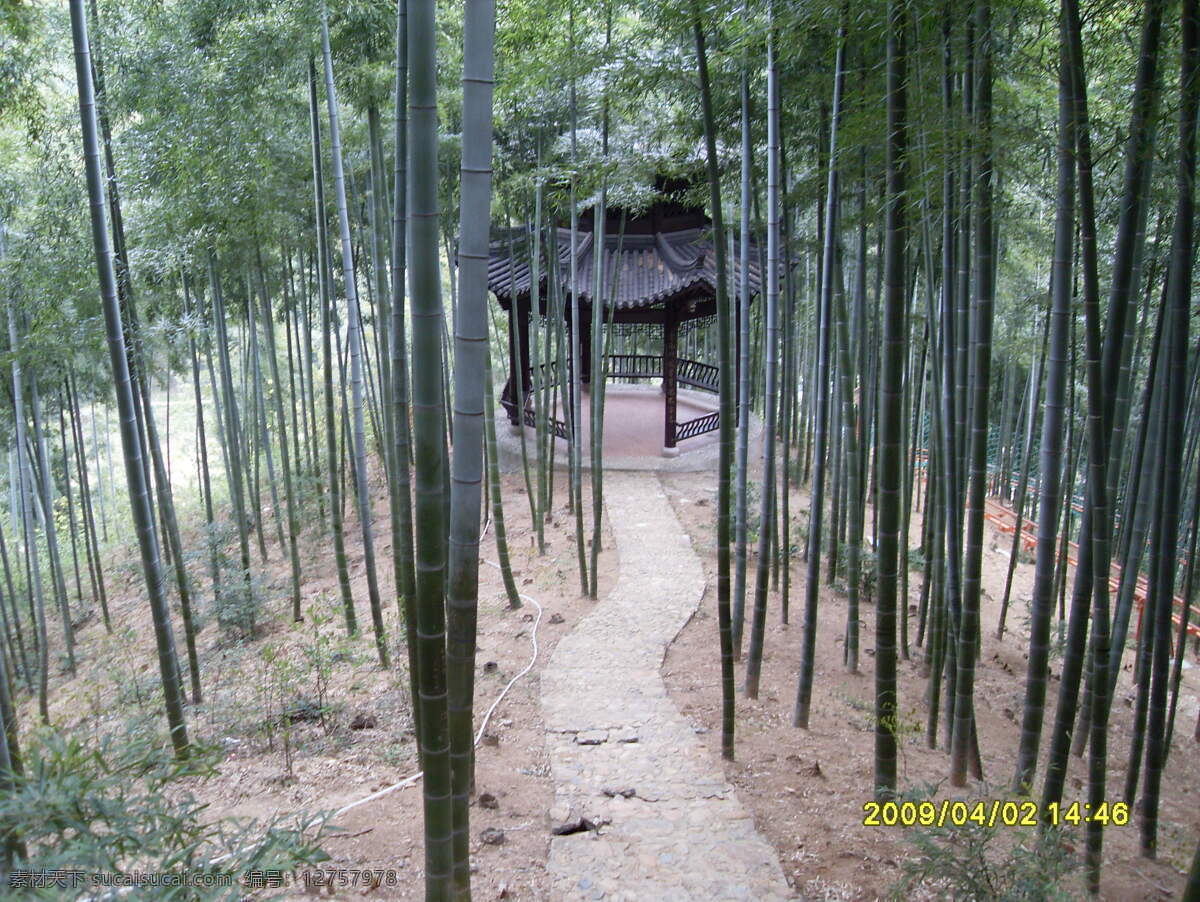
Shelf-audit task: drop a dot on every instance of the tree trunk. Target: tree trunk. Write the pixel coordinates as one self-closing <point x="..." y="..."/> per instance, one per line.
<point x="429" y="449"/>
<point x="821" y="376"/>
<point x="890" y="470"/>
<point x="325" y="299"/>
<point x="767" y="513"/>
<point x="1178" y="298"/>
<point x="983" y="305"/>
<point x="284" y="461"/>
<point x="470" y="363"/>
<point x="725" y="459"/>
<point x="135" y="474"/>
<point x="740" y="509"/>
<point x="354" y="339"/>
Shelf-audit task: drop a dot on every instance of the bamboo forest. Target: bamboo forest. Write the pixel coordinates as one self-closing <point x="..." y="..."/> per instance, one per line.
<point x="639" y="450"/>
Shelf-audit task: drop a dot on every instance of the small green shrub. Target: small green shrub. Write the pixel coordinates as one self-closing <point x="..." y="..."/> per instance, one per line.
<point x="237" y="606"/>
<point x="1058" y="639"/>
<point x="916" y="558"/>
<point x="310" y="490"/>
<point x="319" y="653"/>
<point x="240" y="597"/>
<point x="120" y="804"/>
<point x="128" y="691"/>
<point x="280" y="701"/>
<point x="867" y="575"/>
<point x="973" y="863"/>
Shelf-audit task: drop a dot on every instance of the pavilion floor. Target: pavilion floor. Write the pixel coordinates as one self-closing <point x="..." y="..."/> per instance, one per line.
<point x="634" y="416"/>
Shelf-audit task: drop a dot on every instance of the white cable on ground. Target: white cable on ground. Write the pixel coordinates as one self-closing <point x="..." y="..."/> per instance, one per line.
<point x="413" y="778"/>
<point x="528" y="667"/>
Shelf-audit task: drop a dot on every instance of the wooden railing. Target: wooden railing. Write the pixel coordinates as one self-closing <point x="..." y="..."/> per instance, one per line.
<point x="544" y="376"/>
<point x="558" y="427"/>
<point x="699" y="426"/>
<point x="698" y="375"/>
<point x="634" y="366"/>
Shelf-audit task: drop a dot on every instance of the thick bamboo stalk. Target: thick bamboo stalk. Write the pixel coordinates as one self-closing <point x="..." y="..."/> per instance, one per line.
<point x="725" y="459"/>
<point x="429" y="448"/>
<point x="470" y="371"/>
<point x="135" y="474"/>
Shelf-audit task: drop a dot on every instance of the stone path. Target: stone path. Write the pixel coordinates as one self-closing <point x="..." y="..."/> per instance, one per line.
<point x="651" y="816"/>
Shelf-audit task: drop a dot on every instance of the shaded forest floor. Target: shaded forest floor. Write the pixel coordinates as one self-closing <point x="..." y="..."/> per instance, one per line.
<point x="806" y="789"/>
<point x="263" y="700"/>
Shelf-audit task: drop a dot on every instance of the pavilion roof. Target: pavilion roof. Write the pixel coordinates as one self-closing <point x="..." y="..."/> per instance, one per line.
<point x="638" y="270"/>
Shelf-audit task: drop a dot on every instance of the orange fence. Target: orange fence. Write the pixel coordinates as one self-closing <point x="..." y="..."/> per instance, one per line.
<point x="1004" y="519"/>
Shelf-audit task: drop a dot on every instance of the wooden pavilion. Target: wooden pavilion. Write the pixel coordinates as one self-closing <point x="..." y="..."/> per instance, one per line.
<point x="658" y="282"/>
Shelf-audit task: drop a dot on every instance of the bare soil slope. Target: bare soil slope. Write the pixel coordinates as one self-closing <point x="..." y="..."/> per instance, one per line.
<point x="807" y="787"/>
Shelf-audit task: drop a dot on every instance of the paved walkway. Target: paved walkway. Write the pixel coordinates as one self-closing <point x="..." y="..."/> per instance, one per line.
<point x="653" y="819"/>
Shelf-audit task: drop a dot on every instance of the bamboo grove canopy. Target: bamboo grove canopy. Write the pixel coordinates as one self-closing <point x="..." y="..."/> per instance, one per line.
<point x="657" y="290"/>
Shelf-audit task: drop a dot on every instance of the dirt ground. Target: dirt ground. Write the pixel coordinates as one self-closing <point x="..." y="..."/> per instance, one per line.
<point x="336" y="764"/>
<point x="806" y="788"/>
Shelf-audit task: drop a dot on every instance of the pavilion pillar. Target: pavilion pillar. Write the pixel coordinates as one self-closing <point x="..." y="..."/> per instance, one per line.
<point x="670" y="358"/>
<point x="519" y="375"/>
<point x="736" y="329"/>
<point x="568" y="393"/>
<point x="585" y="346"/>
